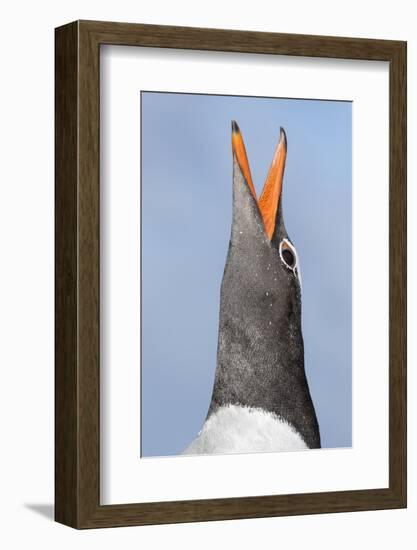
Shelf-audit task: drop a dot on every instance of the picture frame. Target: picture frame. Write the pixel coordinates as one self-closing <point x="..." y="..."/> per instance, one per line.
<point x="77" y="274"/>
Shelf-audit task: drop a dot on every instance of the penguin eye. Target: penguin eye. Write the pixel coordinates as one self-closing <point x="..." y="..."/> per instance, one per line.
<point x="288" y="254"/>
<point x="288" y="257"/>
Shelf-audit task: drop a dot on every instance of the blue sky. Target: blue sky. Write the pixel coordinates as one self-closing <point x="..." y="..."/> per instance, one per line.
<point x="186" y="167"/>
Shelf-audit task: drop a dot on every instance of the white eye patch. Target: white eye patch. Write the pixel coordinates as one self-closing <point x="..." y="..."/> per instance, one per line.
<point x="289" y="257"/>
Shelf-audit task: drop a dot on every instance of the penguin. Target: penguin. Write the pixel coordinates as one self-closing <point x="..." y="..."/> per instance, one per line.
<point x="261" y="400"/>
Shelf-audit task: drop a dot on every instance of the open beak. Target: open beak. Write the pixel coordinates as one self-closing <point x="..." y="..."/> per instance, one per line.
<point x="271" y="194"/>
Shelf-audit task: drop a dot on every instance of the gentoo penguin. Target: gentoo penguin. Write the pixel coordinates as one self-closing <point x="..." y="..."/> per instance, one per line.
<point x="261" y="399"/>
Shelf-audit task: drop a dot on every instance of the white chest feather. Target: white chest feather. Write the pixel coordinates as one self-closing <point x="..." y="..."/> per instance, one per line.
<point x="236" y="429"/>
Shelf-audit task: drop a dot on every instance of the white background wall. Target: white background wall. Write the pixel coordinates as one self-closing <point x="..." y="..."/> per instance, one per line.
<point x="26" y="271"/>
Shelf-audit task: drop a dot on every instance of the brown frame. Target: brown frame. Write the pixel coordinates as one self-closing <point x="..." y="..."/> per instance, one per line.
<point x="77" y="358"/>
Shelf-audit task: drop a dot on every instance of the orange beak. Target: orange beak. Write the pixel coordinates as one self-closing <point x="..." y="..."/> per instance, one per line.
<point x="271" y="194"/>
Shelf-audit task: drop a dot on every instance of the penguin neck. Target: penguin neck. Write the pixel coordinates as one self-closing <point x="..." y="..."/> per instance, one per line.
<point x="260" y="357"/>
<point x="257" y="360"/>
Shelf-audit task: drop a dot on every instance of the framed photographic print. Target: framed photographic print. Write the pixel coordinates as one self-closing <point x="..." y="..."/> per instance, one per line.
<point x="230" y="274"/>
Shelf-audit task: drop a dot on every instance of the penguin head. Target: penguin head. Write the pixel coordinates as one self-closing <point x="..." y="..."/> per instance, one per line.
<point x="262" y="279"/>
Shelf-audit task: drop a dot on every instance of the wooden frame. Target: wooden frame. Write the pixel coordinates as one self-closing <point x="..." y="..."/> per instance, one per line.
<point x="77" y="372"/>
